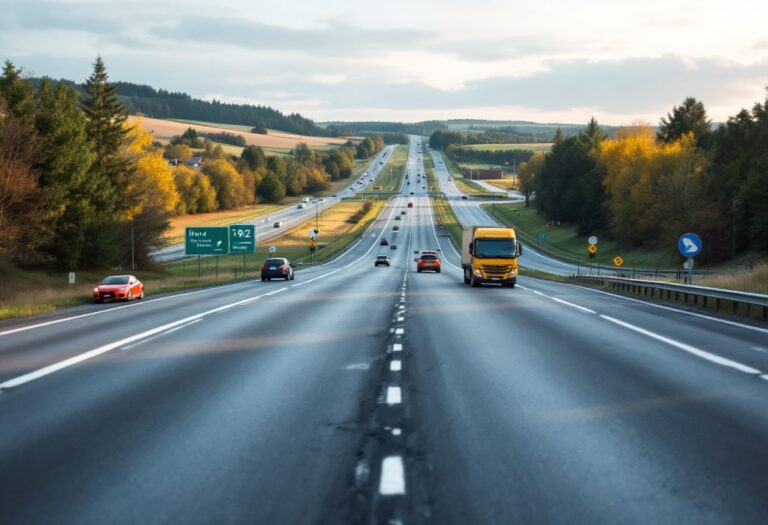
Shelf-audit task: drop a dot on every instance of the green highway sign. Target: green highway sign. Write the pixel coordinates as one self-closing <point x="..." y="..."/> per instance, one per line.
<point x="206" y="240"/>
<point x="242" y="238"/>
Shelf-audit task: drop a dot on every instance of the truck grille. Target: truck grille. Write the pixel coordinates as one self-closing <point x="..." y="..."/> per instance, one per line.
<point x="496" y="271"/>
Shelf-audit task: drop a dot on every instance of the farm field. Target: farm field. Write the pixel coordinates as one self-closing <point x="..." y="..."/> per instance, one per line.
<point x="537" y="148"/>
<point x="164" y="130"/>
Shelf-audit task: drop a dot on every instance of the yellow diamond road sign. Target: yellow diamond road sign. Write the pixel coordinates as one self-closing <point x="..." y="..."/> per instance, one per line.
<point x="592" y="248"/>
<point x="618" y="261"/>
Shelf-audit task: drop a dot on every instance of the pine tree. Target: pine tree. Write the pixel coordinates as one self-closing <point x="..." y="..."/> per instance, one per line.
<point x="111" y="170"/>
<point x="17" y="93"/>
<point x="64" y="167"/>
<point x="689" y="117"/>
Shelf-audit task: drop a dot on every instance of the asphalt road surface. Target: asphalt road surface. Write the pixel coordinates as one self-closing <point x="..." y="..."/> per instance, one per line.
<point x="356" y="394"/>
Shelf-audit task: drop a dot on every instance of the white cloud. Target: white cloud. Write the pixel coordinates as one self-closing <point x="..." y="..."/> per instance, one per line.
<point x="430" y="59"/>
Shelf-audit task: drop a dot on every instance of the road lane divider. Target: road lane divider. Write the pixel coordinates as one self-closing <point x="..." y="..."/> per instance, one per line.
<point x="703" y="354"/>
<point x="85" y="356"/>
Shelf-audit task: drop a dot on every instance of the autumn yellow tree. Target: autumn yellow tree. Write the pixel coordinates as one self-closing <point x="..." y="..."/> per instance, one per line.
<point x="655" y="190"/>
<point x="527" y="174"/>
<point x="151" y="192"/>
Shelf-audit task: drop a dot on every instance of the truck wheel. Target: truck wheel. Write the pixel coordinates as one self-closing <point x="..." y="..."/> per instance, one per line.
<point x="466" y="277"/>
<point x="474" y="281"/>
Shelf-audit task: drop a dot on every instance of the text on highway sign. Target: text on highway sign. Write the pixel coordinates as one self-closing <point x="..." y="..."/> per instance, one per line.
<point x="242" y="238"/>
<point x="206" y="240"/>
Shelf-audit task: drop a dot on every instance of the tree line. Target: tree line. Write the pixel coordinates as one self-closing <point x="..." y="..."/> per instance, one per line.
<point x="78" y="183"/>
<point x="648" y="187"/>
<point x="164" y="104"/>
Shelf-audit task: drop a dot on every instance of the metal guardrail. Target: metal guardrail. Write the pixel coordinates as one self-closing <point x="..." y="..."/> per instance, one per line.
<point x="718" y="299"/>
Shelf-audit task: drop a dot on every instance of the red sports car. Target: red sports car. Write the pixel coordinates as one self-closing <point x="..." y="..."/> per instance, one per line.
<point x="118" y="288"/>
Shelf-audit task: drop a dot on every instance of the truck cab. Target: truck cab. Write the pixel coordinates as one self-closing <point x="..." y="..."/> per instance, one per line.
<point x="489" y="255"/>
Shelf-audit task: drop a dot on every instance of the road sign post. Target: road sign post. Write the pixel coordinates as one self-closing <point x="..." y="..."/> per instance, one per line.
<point x="690" y="246"/>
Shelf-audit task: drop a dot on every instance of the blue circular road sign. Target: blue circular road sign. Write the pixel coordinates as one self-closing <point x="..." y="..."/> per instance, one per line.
<point x="689" y="244"/>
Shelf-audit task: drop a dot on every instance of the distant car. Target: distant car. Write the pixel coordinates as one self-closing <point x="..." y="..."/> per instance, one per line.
<point x="395" y="228"/>
<point x="301" y="206"/>
<point x="397" y="217"/>
<point x="464" y="197"/>
<point x="410" y="204"/>
<point x="381" y="260"/>
<point x="428" y="261"/>
<point x="277" y="268"/>
<point x="393" y="247"/>
<point x="423" y="187"/>
<point x="450" y="178"/>
<point x="335" y="195"/>
<point x="118" y="288"/>
<point x="383" y="242"/>
<point x="403" y="212"/>
<point x="278" y="224"/>
<point x="408" y="183"/>
<point x="412" y="193"/>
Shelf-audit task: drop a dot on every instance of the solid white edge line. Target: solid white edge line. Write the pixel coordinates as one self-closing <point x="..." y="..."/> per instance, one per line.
<point x="663" y="307"/>
<point x="116" y="308"/>
<point x="687" y="348"/>
<point x="567" y="303"/>
<point x="162" y="334"/>
<point x="55" y="367"/>
<point x="392" y="481"/>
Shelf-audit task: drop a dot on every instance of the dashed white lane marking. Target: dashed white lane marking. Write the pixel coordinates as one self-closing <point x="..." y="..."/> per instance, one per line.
<point x="400" y="319"/>
<point x="401" y="307"/>
<point x="760" y="349"/>
<point x="399" y="331"/>
<point x="397" y="431"/>
<point x="561" y="301"/>
<point x="396" y="365"/>
<point x="392" y="481"/>
<point x="694" y="314"/>
<point x="688" y="348"/>
<point x="397" y="347"/>
<point x="394" y="395"/>
<point x="55" y="367"/>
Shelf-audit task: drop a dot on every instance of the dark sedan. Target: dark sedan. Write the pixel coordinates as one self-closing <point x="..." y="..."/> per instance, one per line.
<point x="277" y="268"/>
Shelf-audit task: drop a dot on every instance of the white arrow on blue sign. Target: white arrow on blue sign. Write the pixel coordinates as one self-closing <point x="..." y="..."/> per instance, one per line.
<point x="689" y="244"/>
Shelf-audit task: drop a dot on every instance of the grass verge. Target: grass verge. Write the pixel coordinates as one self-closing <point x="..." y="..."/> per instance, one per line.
<point x="391" y="173"/>
<point x="446" y="219"/>
<point x="564" y="243"/>
<point x="28" y="292"/>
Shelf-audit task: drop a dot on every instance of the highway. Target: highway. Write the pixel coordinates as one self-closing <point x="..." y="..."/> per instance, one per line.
<point x="469" y="212"/>
<point x="291" y="216"/>
<point x="356" y="394"/>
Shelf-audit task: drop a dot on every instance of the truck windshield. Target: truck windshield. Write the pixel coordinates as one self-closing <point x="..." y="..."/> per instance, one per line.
<point x="495" y="248"/>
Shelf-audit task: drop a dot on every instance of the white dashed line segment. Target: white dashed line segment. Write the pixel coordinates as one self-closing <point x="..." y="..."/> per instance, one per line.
<point x="392" y="481"/>
<point x="394" y="395"/>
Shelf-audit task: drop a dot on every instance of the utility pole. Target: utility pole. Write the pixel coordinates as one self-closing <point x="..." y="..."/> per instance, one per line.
<point x="133" y="258"/>
<point x="317" y="214"/>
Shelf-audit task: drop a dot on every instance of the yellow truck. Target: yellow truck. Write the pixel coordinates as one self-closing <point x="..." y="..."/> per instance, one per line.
<point x="489" y="255"/>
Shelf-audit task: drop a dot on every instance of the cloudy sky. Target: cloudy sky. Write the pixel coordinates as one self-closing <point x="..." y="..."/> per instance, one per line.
<point x="542" y="60"/>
